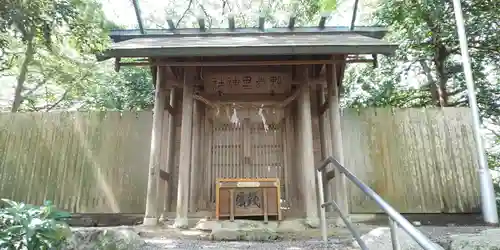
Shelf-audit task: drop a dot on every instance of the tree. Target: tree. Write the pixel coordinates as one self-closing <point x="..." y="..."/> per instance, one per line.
<point x="129" y="90"/>
<point x="426" y="70"/>
<point x="52" y="25"/>
<point x="185" y="13"/>
<point x="430" y="54"/>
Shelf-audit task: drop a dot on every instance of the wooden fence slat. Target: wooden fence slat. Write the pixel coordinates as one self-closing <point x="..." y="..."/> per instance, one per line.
<point x="420" y="161"/>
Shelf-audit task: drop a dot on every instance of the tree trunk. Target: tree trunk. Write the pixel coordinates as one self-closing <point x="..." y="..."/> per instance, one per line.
<point x="440" y="56"/>
<point x="21" y="79"/>
<point x="441" y="53"/>
<point x="430" y="81"/>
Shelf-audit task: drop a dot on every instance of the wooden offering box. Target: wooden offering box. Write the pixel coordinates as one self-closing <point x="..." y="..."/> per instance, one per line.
<point x="248" y="198"/>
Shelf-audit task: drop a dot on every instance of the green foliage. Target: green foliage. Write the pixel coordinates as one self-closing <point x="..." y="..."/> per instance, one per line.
<point x="328" y="5"/>
<point x="131" y="89"/>
<point x="50" y="46"/>
<point x="30" y="227"/>
<point x="40" y="36"/>
<point x="81" y="21"/>
<point x="427" y="69"/>
<point x="307" y="10"/>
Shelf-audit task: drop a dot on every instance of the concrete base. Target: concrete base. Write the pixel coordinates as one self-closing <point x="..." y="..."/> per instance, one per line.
<point x="181" y="223"/>
<point x="340" y="223"/>
<point x="312" y="222"/>
<point x="163" y="218"/>
<point x="241" y="230"/>
<point x="150" y="221"/>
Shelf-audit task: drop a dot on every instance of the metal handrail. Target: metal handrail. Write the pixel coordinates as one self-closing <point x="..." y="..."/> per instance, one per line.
<point x="349" y="226"/>
<point x="395" y="218"/>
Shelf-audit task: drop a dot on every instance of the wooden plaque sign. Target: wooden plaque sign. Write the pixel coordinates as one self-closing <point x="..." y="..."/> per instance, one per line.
<point x="247" y="83"/>
<point x="248" y="197"/>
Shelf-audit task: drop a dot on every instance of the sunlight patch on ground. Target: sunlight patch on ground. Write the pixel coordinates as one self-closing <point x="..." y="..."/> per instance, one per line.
<point x="167" y="243"/>
<point x="192" y="232"/>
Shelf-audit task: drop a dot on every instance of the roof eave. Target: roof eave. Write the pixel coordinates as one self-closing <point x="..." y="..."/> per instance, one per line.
<point x="386" y="49"/>
<point x="123" y="35"/>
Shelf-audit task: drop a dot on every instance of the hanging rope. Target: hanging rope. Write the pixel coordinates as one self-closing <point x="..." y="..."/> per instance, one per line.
<point x="231" y="109"/>
<point x="261" y="114"/>
<point x="234" y="118"/>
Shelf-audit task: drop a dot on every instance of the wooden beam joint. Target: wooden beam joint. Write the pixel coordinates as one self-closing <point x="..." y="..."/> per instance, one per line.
<point x="117" y="64"/>
<point x="231" y="21"/>
<point x="171" y="25"/>
<point x="324" y="106"/>
<point x="165" y="176"/>
<point x="291" y="98"/>
<point x="201" y="24"/>
<point x="291" y="22"/>
<point x="330" y="174"/>
<point x="262" y="21"/>
<point x="170" y="109"/>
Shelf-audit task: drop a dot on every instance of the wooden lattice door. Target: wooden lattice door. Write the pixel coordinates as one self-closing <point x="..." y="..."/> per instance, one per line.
<point x="246" y="150"/>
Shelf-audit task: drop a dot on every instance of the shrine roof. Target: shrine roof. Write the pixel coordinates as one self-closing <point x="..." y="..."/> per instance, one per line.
<point x="248" y="41"/>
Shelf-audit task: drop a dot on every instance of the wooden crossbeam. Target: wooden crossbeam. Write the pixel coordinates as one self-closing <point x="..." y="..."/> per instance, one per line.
<point x="231" y="98"/>
<point x="243" y="63"/>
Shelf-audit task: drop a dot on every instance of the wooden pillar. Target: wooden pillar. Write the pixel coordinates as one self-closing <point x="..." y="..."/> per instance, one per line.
<point x="195" y="161"/>
<point x="307" y="165"/>
<point x="150" y="217"/>
<point x="301" y="192"/>
<point x="337" y="147"/>
<point x="325" y="138"/>
<point x="161" y="183"/>
<point x="170" y="150"/>
<point x="287" y="154"/>
<point x="208" y="162"/>
<point x="292" y="167"/>
<point x="181" y="219"/>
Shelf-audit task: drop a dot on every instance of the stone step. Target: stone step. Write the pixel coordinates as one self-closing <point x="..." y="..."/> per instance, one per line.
<point x="378" y="238"/>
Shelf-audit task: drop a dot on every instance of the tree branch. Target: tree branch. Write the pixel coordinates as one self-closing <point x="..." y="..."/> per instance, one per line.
<point x="58" y="101"/>
<point x="184" y="14"/>
<point x="31" y="91"/>
<point x="48" y="107"/>
<point x="207" y="15"/>
<point x="30" y="51"/>
<point x="229" y="7"/>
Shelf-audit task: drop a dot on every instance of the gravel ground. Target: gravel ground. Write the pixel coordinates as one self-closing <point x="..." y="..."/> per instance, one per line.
<point x="198" y="244"/>
<point x="438" y="232"/>
<point x="162" y="243"/>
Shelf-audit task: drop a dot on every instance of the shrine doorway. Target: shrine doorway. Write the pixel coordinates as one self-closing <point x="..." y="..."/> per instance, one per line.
<point x="250" y="147"/>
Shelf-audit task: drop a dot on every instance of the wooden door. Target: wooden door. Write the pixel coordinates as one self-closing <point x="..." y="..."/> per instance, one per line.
<point x="247" y="150"/>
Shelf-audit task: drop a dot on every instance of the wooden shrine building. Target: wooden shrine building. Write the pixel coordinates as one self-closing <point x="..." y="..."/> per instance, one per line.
<point x="241" y="108"/>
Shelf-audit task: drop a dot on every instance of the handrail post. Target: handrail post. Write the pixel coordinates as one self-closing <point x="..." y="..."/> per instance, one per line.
<point x="322" y="210"/>
<point x="395" y="219"/>
<point x="348" y="224"/>
<point x="394" y="234"/>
